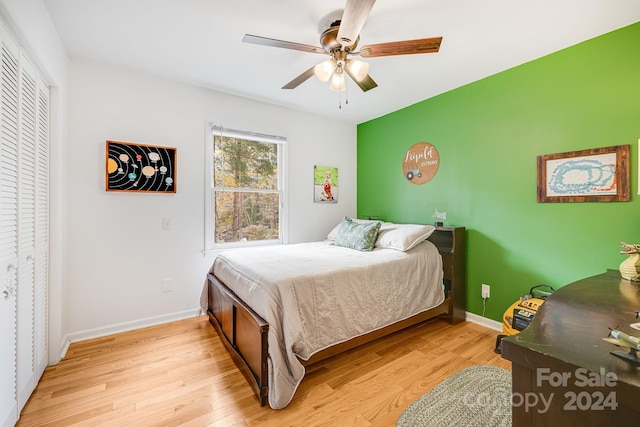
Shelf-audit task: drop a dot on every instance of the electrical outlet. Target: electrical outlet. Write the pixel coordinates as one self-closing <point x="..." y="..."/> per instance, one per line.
<point x="486" y="291"/>
<point x="166" y="285"/>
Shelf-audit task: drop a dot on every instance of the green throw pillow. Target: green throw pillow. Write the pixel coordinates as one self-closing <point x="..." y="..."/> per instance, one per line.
<point x="357" y="236"/>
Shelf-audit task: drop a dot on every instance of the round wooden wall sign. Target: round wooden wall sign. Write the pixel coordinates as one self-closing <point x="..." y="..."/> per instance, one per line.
<point x="420" y="163"/>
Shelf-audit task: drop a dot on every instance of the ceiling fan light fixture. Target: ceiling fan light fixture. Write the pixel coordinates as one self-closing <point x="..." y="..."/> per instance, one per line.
<point x="324" y="70"/>
<point x="337" y="80"/>
<point x="358" y="69"/>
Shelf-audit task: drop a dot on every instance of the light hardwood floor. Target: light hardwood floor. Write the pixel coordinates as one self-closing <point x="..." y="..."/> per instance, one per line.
<point x="180" y="374"/>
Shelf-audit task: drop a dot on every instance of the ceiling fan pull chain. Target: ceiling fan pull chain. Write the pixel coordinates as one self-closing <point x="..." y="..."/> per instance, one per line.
<point x="346" y="92"/>
<point x="343" y="88"/>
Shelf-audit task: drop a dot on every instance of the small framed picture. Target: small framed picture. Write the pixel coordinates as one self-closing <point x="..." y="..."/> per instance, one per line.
<point x="325" y="184"/>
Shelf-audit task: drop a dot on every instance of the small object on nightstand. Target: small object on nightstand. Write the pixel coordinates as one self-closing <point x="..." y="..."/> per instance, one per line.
<point x="439" y="218"/>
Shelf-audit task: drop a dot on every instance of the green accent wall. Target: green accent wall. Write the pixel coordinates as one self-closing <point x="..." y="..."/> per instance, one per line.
<point x="488" y="135"/>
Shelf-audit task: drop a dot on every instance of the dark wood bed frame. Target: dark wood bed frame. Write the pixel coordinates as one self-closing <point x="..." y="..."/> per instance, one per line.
<point x="244" y="332"/>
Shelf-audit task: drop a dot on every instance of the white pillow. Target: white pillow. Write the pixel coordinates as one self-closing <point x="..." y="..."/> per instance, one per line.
<point x="402" y="237"/>
<point x="334" y="232"/>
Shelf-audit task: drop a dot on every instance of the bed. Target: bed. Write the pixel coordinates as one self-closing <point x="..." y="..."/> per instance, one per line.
<point x="280" y="309"/>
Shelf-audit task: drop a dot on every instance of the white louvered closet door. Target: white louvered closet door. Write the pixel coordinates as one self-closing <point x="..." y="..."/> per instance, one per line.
<point x="8" y="228"/>
<point x="24" y="228"/>
<point x="41" y="273"/>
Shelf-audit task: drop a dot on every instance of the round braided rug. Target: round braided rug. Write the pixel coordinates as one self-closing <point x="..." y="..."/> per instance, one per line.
<point x="475" y="396"/>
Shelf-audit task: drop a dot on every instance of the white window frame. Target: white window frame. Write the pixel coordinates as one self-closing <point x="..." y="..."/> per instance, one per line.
<point x="209" y="220"/>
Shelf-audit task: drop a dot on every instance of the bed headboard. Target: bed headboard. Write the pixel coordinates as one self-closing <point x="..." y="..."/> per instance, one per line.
<point x="451" y="243"/>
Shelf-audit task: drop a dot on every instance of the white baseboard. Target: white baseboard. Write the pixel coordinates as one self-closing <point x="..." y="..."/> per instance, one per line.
<point x="489" y="323"/>
<point x="64" y="346"/>
<point x="126" y="326"/>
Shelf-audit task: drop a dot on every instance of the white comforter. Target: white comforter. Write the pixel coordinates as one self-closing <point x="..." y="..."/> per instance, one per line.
<point x="314" y="295"/>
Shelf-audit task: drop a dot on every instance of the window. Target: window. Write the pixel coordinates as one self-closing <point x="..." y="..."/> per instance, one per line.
<point x="245" y="191"/>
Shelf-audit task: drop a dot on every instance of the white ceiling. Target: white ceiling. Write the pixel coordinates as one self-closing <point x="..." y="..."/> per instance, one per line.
<point x="200" y="42"/>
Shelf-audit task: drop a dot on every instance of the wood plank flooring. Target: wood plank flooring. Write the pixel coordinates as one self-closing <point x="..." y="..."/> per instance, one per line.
<point x="180" y="374"/>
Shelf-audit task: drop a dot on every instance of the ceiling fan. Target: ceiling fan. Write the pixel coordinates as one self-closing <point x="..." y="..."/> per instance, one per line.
<point x="339" y="41"/>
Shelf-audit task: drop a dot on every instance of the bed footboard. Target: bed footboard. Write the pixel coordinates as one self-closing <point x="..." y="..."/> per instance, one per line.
<point x="243" y="332"/>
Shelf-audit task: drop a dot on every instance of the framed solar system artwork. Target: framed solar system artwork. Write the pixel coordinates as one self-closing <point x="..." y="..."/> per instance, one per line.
<point x="135" y="167"/>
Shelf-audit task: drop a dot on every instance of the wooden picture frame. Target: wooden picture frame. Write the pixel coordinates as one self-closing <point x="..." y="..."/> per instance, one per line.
<point x="594" y="175"/>
<point x="133" y="167"/>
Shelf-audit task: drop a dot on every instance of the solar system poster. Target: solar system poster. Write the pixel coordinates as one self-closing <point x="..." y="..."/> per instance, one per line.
<point x="140" y="167"/>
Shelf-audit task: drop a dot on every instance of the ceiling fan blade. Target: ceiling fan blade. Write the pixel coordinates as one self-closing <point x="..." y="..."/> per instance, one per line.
<point x="406" y="47"/>
<point x="300" y="79"/>
<point x="365" y="84"/>
<point x="355" y="15"/>
<point x="265" y="41"/>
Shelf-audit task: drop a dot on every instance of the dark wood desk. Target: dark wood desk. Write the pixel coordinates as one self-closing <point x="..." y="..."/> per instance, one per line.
<point x="563" y="372"/>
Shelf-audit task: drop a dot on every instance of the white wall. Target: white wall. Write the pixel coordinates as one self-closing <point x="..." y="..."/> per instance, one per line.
<point x="117" y="253"/>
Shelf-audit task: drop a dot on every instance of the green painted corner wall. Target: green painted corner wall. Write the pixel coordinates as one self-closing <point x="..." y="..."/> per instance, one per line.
<point x="488" y="135"/>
